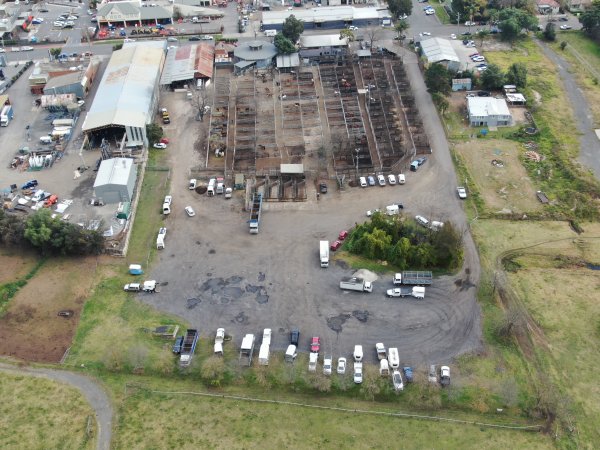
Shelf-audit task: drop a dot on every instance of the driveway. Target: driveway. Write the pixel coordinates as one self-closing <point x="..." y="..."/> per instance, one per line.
<point x="589" y="145"/>
<point x="91" y="390"/>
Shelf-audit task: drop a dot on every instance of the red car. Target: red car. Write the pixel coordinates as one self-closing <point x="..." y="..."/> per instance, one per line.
<point x="164" y="140"/>
<point x="315" y="345"/>
<point x="343" y="235"/>
<point x="335" y="245"/>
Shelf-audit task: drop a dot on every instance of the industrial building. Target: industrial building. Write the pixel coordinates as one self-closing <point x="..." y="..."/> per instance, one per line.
<point x="437" y="50"/>
<point x="67" y="76"/>
<point x="115" y="181"/>
<point x="335" y="17"/>
<point x="488" y="112"/>
<point x="257" y="54"/>
<point x="183" y="65"/>
<point x="127" y="96"/>
<point x="133" y="14"/>
<point x="322" y="45"/>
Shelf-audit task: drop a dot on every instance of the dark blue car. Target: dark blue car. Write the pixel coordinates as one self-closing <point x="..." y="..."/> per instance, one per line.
<point x="30" y="184"/>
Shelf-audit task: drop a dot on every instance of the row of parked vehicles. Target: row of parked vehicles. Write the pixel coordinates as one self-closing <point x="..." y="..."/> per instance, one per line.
<point x="381" y="180"/>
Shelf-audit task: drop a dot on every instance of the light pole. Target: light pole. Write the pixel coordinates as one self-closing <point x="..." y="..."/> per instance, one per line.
<point x="457" y="24"/>
<point x="357" y="150"/>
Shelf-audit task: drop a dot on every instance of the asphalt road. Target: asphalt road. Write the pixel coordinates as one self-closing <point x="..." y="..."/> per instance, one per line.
<point x="92" y="391"/>
<point x="589" y="145"/>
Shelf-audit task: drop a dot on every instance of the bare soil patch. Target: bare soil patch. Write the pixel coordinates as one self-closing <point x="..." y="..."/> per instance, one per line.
<point x="14" y="266"/>
<point x="505" y="186"/>
<point x="31" y="328"/>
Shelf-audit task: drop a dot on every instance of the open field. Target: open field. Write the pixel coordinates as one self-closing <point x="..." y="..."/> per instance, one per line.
<point x="503" y="189"/>
<point x="31" y="328"/>
<point x="15" y="264"/>
<point x="36" y="413"/>
<point x="227" y="423"/>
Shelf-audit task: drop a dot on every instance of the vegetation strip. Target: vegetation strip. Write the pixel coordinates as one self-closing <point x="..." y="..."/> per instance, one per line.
<point x="348" y="410"/>
<point x="9" y="290"/>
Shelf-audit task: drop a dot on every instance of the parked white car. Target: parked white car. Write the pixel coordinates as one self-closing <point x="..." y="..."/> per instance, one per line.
<point x="358" y="353"/>
<point x="363" y="182"/>
<point x="397" y="380"/>
<point x="381" y="180"/>
<point x="358" y="373"/>
<point x="392" y="179"/>
<point x="190" y="211"/>
<point x="341" y="366"/>
<point x="462" y="192"/>
<point x="422" y="221"/>
<point x="327" y="362"/>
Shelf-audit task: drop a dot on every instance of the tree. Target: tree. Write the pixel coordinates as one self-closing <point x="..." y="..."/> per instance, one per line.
<point x="177" y="14"/>
<point x="590" y="20"/>
<point x="509" y="30"/>
<point x="345" y="33"/>
<point x="440" y="101"/>
<point x="437" y="79"/>
<point x="292" y="28"/>
<point x="54" y="52"/>
<point x="284" y="45"/>
<point x="400" y="27"/>
<point x="492" y="78"/>
<point x="118" y="46"/>
<point x="40" y="229"/>
<point x="550" y="32"/>
<point x="517" y="75"/>
<point x="524" y="19"/>
<point x="400" y="8"/>
<point x="482" y="34"/>
<point x="372" y="35"/>
<point x="563" y="45"/>
<point x="201" y="103"/>
<point x="154" y="132"/>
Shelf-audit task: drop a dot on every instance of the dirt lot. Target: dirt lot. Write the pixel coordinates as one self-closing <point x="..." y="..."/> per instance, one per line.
<point x="505" y="188"/>
<point x="14" y="266"/>
<point x="220" y="275"/>
<point x="31" y="328"/>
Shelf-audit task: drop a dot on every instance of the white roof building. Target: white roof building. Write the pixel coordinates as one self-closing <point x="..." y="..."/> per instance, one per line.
<point x="438" y="50"/>
<point x="115" y="180"/>
<point x="488" y="112"/>
<point x="128" y="92"/>
<point x="323" y="40"/>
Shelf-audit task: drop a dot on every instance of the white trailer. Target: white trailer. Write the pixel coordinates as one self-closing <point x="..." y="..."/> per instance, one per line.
<point x="393" y="358"/>
<point x="247" y="349"/>
<point x="324" y="253"/>
<point x="263" y="355"/>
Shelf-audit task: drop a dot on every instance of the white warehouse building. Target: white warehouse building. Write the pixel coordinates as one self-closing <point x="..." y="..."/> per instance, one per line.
<point x="115" y="181"/>
<point x="127" y="96"/>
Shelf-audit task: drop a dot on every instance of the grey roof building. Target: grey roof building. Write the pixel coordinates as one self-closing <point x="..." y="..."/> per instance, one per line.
<point x="488" y="112"/>
<point x="257" y="54"/>
<point x="288" y="62"/>
<point x="127" y="96"/>
<point x="438" y="50"/>
<point x="115" y="180"/>
<point x="328" y="17"/>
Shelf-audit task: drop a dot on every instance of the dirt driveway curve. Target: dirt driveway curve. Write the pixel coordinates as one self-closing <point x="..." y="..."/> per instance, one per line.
<point x="92" y="391"/>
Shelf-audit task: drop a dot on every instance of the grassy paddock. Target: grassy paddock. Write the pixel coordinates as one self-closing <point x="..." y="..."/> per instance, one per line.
<point x="36" y="413"/>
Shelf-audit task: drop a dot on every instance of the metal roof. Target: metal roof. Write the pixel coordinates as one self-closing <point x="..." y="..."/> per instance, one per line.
<point x="324" y="14"/>
<point x="291" y="60"/>
<point x="322" y="40"/>
<point x="126" y="90"/>
<point x="186" y="63"/>
<point x="114" y="171"/>
<point x="255" y="50"/>
<point x="124" y="8"/>
<point x="437" y="49"/>
<point x="155" y="12"/>
<point x="66" y="79"/>
<point x="487" y="106"/>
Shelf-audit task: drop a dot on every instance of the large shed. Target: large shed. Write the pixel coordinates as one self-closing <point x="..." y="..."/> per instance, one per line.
<point x="322" y="45"/>
<point x="115" y="180"/>
<point x="187" y="63"/>
<point x="438" y="50"/>
<point x="333" y="17"/>
<point x="488" y="111"/>
<point x="128" y="93"/>
<point x="257" y="54"/>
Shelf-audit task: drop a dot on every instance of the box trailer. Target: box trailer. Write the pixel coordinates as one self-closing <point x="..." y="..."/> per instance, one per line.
<point x="324" y="253"/>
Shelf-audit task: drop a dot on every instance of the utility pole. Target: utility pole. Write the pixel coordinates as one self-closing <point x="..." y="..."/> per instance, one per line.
<point x="458" y="24"/>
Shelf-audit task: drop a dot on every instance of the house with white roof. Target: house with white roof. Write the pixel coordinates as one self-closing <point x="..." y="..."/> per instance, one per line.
<point x="488" y="112"/>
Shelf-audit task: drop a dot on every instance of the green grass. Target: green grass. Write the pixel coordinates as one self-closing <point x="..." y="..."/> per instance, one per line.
<point x="441" y="13"/>
<point x="36" y="413"/>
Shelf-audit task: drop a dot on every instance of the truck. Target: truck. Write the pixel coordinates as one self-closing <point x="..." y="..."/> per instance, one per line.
<point x="247" y="349"/>
<point x="356" y="284"/>
<point x="393" y="359"/>
<point x="312" y="362"/>
<point x="419" y="278"/>
<point x="324" y="253"/>
<point x="189" y="346"/>
<point x="381" y="353"/>
<point x="6" y="115"/>
<point x="255" y="213"/>
<point x="263" y="354"/>
<point x="415" y="291"/>
<point x="219" y="339"/>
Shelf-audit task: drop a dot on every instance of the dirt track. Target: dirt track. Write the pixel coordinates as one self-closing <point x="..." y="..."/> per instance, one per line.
<point x="220" y="275"/>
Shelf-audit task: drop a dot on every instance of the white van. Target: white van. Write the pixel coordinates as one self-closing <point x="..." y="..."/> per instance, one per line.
<point x="37" y="196"/>
<point x="290" y="353"/>
<point x="384" y="368"/>
<point x="270" y="33"/>
<point x="192" y="184"/>
<point x="166" y="208"/>
<point x="392" y="210"/>
<point x="46" y="139"/>
<point x="392" y="179"/>
<point x="394" y="360"/>
<point x="363" y="182"/>
<point x="210" y="191"/>
<point x="401" y="178"/>
<point x="358" y="353"/>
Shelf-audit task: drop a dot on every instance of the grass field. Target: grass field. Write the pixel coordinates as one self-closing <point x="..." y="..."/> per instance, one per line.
<point x="157" y="420"/>
<point x="36" y="413"/>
